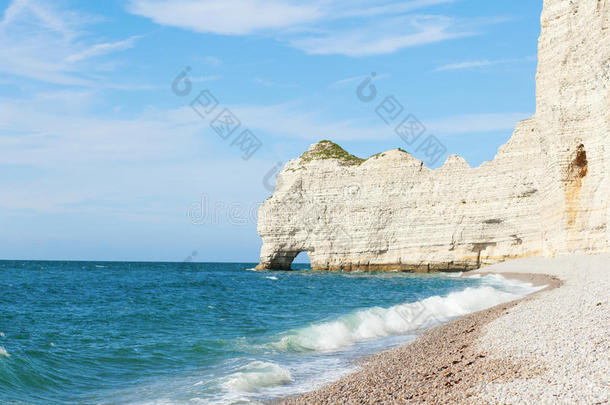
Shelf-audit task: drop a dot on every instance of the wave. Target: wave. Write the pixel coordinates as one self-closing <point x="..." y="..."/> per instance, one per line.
<point x="402" y="319"/>
<point x="3" y="352"/>
<point x="256" y="375"/>
<point x="369" y="330"/>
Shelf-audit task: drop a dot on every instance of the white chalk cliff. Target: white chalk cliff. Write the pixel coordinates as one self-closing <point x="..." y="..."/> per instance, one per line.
<point x="545" y="193"/>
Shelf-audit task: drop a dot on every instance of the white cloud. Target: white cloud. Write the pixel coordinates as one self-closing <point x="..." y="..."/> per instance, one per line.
<point x="229" y="17"/>
<point x="482" y="63"/>
<point x="316" y="27"/>
<point x="41" y="41"/>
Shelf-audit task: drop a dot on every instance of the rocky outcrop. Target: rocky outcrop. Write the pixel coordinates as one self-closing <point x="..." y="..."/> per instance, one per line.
<point x="545" y="193"/>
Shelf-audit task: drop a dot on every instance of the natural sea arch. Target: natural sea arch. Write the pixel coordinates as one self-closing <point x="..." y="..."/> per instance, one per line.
<point x="300" y="259"/>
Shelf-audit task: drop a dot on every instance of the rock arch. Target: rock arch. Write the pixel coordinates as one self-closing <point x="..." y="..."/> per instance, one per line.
<point x="282" y="259"/>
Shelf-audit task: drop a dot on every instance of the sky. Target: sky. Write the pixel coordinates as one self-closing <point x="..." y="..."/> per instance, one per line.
<point x="109" y="144"/>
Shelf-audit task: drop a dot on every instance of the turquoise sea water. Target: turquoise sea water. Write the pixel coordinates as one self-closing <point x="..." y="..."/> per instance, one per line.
<point x="115" y="333"/>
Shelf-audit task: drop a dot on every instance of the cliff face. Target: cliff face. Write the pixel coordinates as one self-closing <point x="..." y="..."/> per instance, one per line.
<point x="573" y="119"/>
<point x="545" y="193"/>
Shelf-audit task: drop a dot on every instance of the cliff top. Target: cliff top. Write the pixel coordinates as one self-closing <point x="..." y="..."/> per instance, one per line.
<point x="330" y="150"/>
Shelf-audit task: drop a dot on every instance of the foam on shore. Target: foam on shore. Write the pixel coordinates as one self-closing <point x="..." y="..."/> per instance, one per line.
<point x="256" y="375"/>
<point x="403" y="319"/>
<point x="547" y="348"/>
<point x="372" y="328"/>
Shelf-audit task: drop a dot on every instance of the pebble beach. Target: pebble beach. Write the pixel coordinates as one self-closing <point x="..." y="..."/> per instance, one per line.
<point x="550" y="347"/>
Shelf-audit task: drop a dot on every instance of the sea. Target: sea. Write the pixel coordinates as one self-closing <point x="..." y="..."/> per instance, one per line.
<point x="209" y="333"/>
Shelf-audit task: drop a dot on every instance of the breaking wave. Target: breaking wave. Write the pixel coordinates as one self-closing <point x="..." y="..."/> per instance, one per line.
<point x="402" y="319"/>
<point x="256" y="375"/>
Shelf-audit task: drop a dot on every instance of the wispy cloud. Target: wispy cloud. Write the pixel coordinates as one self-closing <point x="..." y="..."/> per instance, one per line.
<point x="41" y="41"/>
<point x="102" y="49"/>
<point x="271" y="83"/>
<point x="323" y="27"/>
<point x="289" y="121"/>
<point x="355" y="79"/>
<point x="202" y="79"/>
<point x="372" y="8"/>
<point x="482" y="63"/>
<point x="110" y="167"/>
<point x="80" y="156"/>
<point x="465" y="65"/>
<point x="394" y="34"/>
<point x="212" y="61"/>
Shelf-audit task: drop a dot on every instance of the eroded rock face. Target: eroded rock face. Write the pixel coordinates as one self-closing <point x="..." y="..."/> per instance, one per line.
<point x="573" y="119"/>
<point x="545" y="193"/>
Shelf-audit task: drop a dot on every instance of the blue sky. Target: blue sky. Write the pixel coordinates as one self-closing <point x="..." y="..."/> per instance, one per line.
<point x="101" y="160"/>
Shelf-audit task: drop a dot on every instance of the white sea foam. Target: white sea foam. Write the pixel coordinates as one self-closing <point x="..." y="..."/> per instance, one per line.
<point x="271" y="278"/>
<point x="362" y="332"/>
<point x="256" y="375"/>
<point x="3" y="352"/>
<point x="403" y="319"/>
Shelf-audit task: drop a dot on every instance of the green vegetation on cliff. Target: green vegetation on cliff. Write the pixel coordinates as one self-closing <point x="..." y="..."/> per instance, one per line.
<point x="330" y="150"/>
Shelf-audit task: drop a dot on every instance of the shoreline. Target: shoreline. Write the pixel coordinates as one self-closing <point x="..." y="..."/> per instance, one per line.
<point x="446" y="364"/>
<point x="536" y="279"/>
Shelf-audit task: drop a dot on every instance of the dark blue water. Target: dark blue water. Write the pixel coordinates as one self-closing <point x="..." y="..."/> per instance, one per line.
<point x="85" y="332"/>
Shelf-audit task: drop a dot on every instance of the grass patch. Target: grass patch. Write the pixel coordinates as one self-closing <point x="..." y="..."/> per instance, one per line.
<point x="330" y="150"/>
